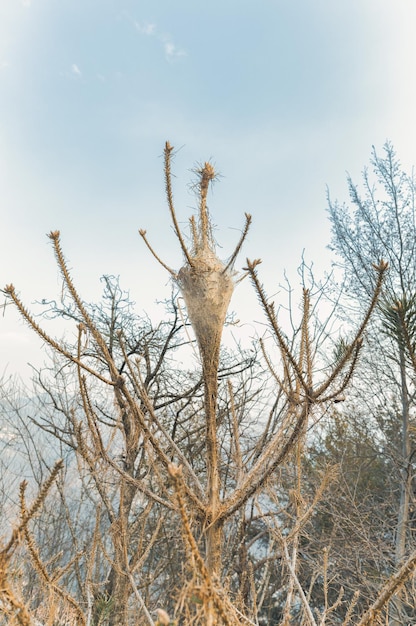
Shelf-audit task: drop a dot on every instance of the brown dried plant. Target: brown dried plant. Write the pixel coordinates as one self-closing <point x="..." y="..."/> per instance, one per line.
<point x="206" y="284"/>
<point x="12" y="606"/>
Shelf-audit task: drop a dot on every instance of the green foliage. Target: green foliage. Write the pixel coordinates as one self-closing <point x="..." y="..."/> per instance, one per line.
<point x="399" y="322"/>
<point x="103" y="607"/>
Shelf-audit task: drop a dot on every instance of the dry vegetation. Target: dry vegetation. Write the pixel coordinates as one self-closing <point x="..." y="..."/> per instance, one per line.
<point x="235" y="493"/>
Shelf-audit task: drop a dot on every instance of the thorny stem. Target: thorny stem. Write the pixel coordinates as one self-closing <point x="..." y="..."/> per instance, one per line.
<point x="11" y="292"/>
<point x="269" y="310"/>
<point x="273" y="455"/>
<point x="391" y="586"/>
<point x="206" y="175"/>
<point x="149" y="407"/>
<point x="305" y="358"/>
<point x="28" y="514"/>
<point x="55" y="237"/>
<point x="169" y="195"/>
<point x="381" y="270"/>
<point x="240" y="243"/>
<point x="212" y="596"/>
<point x="142" y="233"/>
<point x="202" y="273"/>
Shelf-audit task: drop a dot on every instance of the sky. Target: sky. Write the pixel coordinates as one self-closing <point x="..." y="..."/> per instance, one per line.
<point x="284" y="97"/>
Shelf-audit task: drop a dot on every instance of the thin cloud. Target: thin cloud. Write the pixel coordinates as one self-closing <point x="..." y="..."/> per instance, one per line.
<point x="149" y="29"/>
<point x="173" y="52"/>
<point x="146" y="28"/>
<point x="75" y="70"/>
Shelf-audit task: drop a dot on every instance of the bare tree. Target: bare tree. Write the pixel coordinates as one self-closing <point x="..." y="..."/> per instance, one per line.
<point x="381" y="224"/>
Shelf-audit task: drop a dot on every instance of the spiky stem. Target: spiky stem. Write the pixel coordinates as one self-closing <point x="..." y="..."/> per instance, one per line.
<point x="214" y="530"/>
<point x="169" y="195"/>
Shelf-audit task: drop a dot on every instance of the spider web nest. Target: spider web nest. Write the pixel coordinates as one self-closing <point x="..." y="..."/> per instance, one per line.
<point x="205" y="282"/>
<point x="207" y="287"/>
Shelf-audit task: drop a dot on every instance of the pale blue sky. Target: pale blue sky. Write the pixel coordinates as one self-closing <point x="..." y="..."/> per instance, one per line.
<point x="283" y="96"/>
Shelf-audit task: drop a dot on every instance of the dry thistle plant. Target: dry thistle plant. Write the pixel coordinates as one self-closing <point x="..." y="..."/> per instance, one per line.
<point x="206" y="284"/>
<point x="11" y="605"/>
<point x="159" y="470"/>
